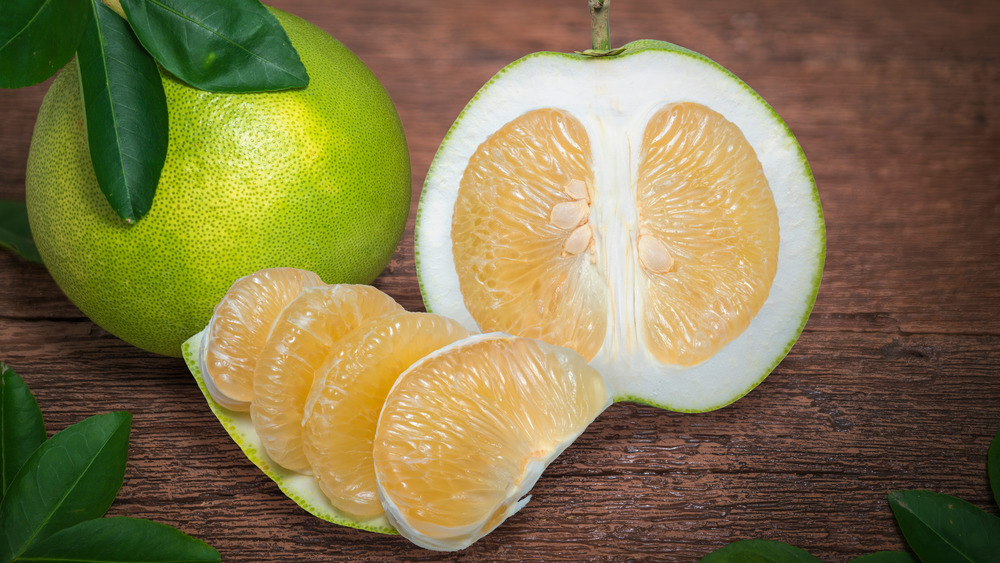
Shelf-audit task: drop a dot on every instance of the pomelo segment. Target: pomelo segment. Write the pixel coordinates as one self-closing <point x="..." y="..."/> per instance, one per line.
<point x="347" y="396"/>
<point x="307" y="331"/>
<point x="240" y="326"/>
<point x="467" y="431"/>
<point x="707" y="242"/>
<point x="647" y="209"/>
<point x="523" y="205"/>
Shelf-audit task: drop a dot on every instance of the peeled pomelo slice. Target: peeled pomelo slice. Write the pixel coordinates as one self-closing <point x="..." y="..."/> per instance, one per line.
<point x="466" y="432"/>
<point x="302" y="489"/>
<point x="302" y="337"/>
<point x="347" y="396"/>
<point x="645" y="208"/>
<point x="240" y="326"/>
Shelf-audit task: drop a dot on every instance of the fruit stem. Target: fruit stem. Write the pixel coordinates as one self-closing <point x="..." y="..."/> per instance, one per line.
<point x="600" y="30"/>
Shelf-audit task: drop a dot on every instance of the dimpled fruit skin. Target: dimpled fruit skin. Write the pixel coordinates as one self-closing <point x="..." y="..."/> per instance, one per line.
<point x="316" y="178"/>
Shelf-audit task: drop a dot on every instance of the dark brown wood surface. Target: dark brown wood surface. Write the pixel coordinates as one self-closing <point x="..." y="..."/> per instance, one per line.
<point x="895" y="383"/>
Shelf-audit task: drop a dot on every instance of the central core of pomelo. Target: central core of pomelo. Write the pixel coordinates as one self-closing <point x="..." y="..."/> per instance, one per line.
<point x="662" y="237"/>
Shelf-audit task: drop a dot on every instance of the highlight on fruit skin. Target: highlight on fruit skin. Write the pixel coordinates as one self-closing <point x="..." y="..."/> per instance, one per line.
<point x="646" y="208"/>
<point x="466" y="432"/>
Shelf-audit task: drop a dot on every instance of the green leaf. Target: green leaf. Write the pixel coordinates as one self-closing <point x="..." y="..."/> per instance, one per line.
<point x="72" y="477"/>
<point x="222" y="46"/>
<point x="22" y="429"/>
<point x="945" y="528"/>
<point x="37" y="37"/>
<point x="125" y="110"/>
<point x="107" y="540"/>
<point x="759" y="551"/>
<point x="14" y="231"/>
<point x="887" y="557"/>
<point x="993" y="461"/>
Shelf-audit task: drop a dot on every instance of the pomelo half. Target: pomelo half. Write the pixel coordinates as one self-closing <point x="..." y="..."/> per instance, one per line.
<point x="646" y="208"/>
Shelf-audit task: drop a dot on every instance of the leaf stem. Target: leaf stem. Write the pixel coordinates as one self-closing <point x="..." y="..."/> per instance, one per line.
<point x="600" y="29"/>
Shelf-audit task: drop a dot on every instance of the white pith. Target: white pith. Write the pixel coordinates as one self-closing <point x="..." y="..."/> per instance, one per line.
<point x="614" y="99"/>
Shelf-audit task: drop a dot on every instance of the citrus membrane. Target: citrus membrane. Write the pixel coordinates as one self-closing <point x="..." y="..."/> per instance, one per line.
<point x="646" y="209"/>
<point x="466" y="432"/>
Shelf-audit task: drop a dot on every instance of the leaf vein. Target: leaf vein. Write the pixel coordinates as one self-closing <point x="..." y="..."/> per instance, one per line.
<point x="27" y="25"/>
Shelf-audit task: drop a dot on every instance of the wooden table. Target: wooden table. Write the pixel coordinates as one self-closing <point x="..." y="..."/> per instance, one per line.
<point x="895" y="383"/>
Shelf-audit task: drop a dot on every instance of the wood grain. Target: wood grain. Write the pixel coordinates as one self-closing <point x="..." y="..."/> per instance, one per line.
<point x="894" y="384"/>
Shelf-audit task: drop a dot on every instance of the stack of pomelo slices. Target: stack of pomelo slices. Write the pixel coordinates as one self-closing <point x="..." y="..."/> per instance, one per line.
<point x="374" y="417"/>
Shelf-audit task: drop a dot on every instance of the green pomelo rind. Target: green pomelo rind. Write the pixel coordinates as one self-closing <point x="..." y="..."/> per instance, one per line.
<point x="428" y="254"/>
<point x="302" y="489"/>
<point x="316" y="178"/>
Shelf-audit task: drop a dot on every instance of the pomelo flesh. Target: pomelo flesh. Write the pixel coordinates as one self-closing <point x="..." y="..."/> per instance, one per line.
<point x="647" y="209"/>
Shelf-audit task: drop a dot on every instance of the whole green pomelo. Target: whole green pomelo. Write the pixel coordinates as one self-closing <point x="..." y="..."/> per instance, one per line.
<point x="316" y="178"/>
